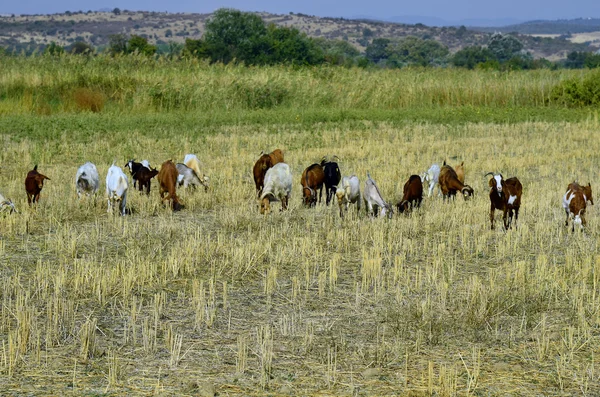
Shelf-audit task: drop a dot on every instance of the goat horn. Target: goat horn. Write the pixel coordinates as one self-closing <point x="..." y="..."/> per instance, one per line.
<point x="489" y="173"/>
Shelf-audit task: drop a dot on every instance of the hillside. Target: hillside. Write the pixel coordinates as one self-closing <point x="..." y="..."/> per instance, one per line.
<point x="558" y="27"/>
<point x="30" y="31"/>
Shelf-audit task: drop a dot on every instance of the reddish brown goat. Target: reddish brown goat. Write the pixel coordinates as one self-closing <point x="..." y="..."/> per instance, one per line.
<point x="167" y="178"/>
<point x="264" y="162"/>
<point x="34" y="182"/>
<point x="449" y="183"/>
<point x="413" y="194"/>
<point x="312" y="180"/>
<point x="575" y="202"/>
<point x="505" y="195"/>
<point x="144" y="175"/>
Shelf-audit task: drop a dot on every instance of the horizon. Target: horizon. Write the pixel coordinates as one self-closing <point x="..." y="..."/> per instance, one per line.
<point x="458" y="12"/>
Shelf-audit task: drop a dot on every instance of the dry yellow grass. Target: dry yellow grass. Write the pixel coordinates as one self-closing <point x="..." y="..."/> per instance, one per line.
<point x="219" y="298"/>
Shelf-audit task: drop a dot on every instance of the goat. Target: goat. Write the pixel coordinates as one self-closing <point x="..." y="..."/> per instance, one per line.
<point x="348" y="193"/>
<point x="191" y="161"/>
<point x="432" y="176"/>
<point x="374" y="200"/>
<point x="264" y="162"/>
<point x="167" y="177"/>
<point x="116" y="189"/>
<point x="144" y="176"/>
<point x="87" y="179"/>
<point x="333" y="176"/>
<point x="134" y="168"/>
<point x="34" y="182"/>
<point x="449" y="184"/>
<point x="7" y="205"/>
<point x="278" y="186"/>
<point x="575" y="202"/>
<point x="413" y="194"/>
<point x="312" y="180"/>
<point x="505" y="195"/>
<point x="187" y="177"/>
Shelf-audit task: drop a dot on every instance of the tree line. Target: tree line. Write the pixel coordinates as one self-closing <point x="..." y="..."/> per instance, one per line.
<point x="233" y="36"/>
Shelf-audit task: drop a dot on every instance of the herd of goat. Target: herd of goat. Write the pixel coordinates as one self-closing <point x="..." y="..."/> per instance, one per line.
<point x="273" y="180"/>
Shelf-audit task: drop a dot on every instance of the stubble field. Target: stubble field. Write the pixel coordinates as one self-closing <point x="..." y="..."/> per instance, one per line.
<point x="219" y="299"/>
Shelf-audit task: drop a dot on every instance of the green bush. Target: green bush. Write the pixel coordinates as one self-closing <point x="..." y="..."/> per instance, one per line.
<point x="578" y="92"/>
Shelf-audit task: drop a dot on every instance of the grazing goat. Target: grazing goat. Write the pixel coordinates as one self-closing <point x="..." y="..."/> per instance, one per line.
<point x="87" y="179"/>
<point x="432" y="175"/>
<point x="34" y="182"/>
<point x="264" y="162"/>
<point x="460" y="172"/>
<point x="450" y="184"/>
<point x="191" y="161"/>
<point x="116" y="189"/>
<point x="167" y="177"/>
<point x="575" y="202"/>
<point x="135" y="168"/>
<point x="332" y="178"/>
<point x="374" y="200"/>
<point x="312" y="180"/>
<point x="7" y="205"/>
<point x="413" y="194"/>
<point x="144" y="176"/>
<point x="187" y="177"/>
<point x="278" y="187"/>
<point x="348" y="193"/>
<point x="505" y="195"/>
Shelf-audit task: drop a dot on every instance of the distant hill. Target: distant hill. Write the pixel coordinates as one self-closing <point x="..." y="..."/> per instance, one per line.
<point x="558" y="27"/>
<point x="29" y="31"/>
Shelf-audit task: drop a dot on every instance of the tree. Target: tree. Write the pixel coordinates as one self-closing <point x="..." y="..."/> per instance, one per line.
<point x="116" y="11"/>
<point x="377" y="50"/>
<point x="139" y="44"/>
<point x="471" y="56"/>
<point x="232" y="34"/>
<point x="504" y="47"/>
<point x="416" y="51"/>
<point x="288" y="45"/>
<point x="81" y="48"/>
<point x="117" y="44"/>
<point x="54" y="49"/>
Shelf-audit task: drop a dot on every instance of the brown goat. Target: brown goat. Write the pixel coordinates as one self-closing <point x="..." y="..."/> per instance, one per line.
<point x="34" y="182"/>
<point x="312" y="180"/>
<point x="167" y="178"/>
<point x="264" y="162"/>
<point x="505" y="195"/>
<point x="575" y="202"/>
<point x="144" y="175"/>
<point x="413" y="194"/>
<point x="449" y="183"/>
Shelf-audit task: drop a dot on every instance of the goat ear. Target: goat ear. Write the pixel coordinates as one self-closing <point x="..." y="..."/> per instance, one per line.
<point x="44" y="177"/>
<point x="491" y="182"/>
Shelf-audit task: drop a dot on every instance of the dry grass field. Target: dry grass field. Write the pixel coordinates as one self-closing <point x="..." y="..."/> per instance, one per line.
<point x="219" y="299"/>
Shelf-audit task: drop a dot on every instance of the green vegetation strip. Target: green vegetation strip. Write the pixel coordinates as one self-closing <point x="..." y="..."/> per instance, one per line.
<point x="82" y="126"/>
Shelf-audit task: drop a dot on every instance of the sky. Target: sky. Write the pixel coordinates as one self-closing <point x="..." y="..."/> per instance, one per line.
<point x="444" y="9"/>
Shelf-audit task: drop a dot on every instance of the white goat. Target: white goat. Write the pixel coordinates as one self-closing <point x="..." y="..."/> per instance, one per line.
<point x="432" y="175"/>
<point x="191" y="161"/>
<point x="87" y="180"/>
<point x="277" y="187"/>
<point x="374" y="200"/>
<point x="348" y="192"/>
<point x="187" y="177"/>
<point x="116" y="188"/>
<point x="7" y="205"/>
